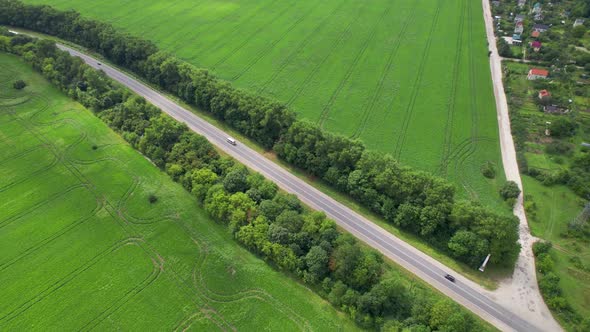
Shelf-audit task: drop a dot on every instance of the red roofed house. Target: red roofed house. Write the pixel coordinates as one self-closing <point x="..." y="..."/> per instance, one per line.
<point x="537" y="73"/>
<point x="535" y="34"/>
<point x="544" y="94"/>
<point x="536" y="45"/>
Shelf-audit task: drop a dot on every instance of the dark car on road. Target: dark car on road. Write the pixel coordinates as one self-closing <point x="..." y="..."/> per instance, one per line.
<point x="450" y="277"/>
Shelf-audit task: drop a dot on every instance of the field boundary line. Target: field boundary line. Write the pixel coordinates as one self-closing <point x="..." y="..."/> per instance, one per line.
<point x="410" y="109"/>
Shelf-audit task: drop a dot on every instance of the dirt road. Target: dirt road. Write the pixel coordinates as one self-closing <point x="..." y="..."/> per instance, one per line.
<point x="521" y="291"/>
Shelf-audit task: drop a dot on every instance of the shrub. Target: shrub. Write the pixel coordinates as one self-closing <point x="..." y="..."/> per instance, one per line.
<point x="558" y="147"/>
<point x="541" y="247"/>
<point x="563" y="127"/>
<point x="19" y="85"/>
<point x="152" y="198"/>
<point x="509" y="190"/>
<point x="489" y="170"/>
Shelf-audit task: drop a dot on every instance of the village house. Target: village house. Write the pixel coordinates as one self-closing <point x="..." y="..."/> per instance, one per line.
<point x="544" y="94"/>
<point x="579" y="21"/>
<point x="540" y="27"/>
<point x="536" y="73"/>
<point x="519" y="28"/>
<point x="535" y="34"/>
<point x="521" y="3"/>
<point x="536" y="45"/>
<point x="538" y="17"/>
<point x="495" y="3"/>
<point x="554" y="109"/>
<point x="519" y="18"/>
<point x="516" y="39"/>
<point x="537" y="8"/>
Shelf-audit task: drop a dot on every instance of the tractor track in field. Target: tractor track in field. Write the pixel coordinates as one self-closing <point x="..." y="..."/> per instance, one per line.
<point x="39" y="204"/>
<point x="341" y="37"/>
<point x="460" y="161"/>
<point x="51" y="238"/>
<point x="287" y="60"/>
<point x="447" y="142"/>
<point x="150" y="279"/>
<point x="110" y="209"/>
<point x="262" y="53"/>
<point x="263" y="27"/>
<point x="416" y="86"/>
<point x="171" y="40"/>
<point x="392" y="55"/>
<point x="258" y="294"/>
<point x="255" y="12"/>
<point x="55" y="286"/>
<point x="329" y="105"/>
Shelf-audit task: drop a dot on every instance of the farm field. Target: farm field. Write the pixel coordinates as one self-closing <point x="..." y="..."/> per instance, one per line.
<point x="78" y="234"/>
<point x="410" y="78"/>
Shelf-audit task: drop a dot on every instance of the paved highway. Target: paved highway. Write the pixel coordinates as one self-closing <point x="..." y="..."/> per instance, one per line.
<point x="462" y="290"/>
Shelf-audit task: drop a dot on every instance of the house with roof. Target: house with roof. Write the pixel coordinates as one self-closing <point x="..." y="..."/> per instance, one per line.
<point x="538" y="17"/>
<point x="536" y="45"/>
<point x="495" y="3"/>
<point x="519" y="18"/>
<point x="537" y="73"/>
<point x="578" y="22"/>
<point x="544" y="94"/>
<point x="519" y="28"/>
<point x="540" y="27"/>
<point x="537" y="8"/>
<point x="516" y="39"/>
<point x="521" y="3"/>
<point x="535" y="34"/>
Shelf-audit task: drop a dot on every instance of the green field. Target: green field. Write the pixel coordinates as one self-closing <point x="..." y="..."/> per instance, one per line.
<point x="407" y="77"/>
<point x="83" y="248"/>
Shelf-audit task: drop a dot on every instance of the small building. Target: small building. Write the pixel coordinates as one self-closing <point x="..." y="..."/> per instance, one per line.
<point x="519" y="28"/>
<point x="495" y="3"/>
<point x="544" y="94"/>
<point x="536" y="45"/>
<point x="521" y="3"/>
<point x="535" y="34"/>
<point x="537" y="8"/>
<point x="536" y="73"/>
<point x="554" y="109"/>
<point x="540" y="27"/>
<point x="516" y="39"/>
<point x="538" y="17"/>
<point x="519" y="18"/>
<point x="579" y="21"/>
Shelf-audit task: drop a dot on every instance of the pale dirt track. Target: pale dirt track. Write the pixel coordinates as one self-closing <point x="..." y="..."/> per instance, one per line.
<point x="520" y="293"/>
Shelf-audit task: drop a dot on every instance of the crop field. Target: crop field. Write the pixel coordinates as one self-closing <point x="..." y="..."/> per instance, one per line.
<point x="83" y="248"/>
<point x="407" y="77"/>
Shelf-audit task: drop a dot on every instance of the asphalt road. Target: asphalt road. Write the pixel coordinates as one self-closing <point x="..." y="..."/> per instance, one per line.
<point x="462" y="290"/>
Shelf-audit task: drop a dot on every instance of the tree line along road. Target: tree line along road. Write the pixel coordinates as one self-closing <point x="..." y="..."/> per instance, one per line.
<point x="464" y="291"/>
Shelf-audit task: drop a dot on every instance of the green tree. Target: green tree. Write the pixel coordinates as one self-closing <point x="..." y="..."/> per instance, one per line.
<point x="509" y="190"/>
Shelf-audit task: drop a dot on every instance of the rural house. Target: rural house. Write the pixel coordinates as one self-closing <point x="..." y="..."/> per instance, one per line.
<point x="519" y="28"/>
<point x="521" y="3"/>
<point x="540" y="27"/>
<point x="554" y="109"/>
<point x="536" y="73"/>
<point x="538" y="17"/>
<point x="516" y="39"/>
<point x="519" y="18"/>
<point x="535" y="34"/>
<point x="536" y="45"/>
<point x="544" y="94"/>
<point x="579" y="21"/>
<point x="537" y="8"/>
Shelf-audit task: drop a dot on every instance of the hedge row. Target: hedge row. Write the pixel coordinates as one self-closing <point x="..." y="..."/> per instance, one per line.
<point x="272" y="224"/>
<point x="415" y="201"/>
